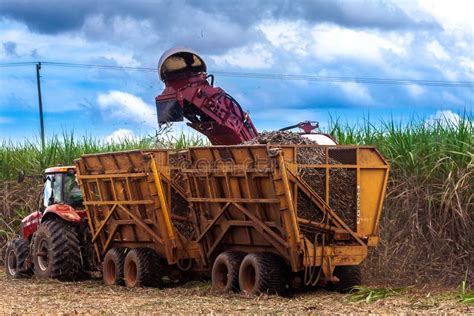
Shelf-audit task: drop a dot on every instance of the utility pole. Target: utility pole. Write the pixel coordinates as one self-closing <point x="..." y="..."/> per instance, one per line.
<point x="40" y="102"/>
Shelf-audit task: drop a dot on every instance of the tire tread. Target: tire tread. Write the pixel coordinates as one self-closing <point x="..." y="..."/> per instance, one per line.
<point x="65" y="251"/>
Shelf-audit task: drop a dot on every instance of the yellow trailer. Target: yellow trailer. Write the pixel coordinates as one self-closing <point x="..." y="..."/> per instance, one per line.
<point x="257" y="218"/>
<point x="270" y="216"/>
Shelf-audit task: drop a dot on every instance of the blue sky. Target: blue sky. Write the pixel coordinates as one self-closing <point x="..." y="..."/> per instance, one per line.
<point x="422" y="40"/>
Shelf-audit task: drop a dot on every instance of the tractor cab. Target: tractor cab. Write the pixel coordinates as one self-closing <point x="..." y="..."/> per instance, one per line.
<point x="62" y="199"/>
<point x="61" y="187"/>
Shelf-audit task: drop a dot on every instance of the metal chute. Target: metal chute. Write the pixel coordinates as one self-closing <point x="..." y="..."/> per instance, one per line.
<point x="178" y="61"/>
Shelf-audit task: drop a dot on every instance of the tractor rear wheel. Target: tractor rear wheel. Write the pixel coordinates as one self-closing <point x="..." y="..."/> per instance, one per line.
<point x="56" y="251"/>
<point x="15" y="258"/>
<point x="263" y="273"/>
<point x="225" y="271"/>
<point x="141" y="268"/>
<point x="349" y="277"/>
<point x="112" y="273"/>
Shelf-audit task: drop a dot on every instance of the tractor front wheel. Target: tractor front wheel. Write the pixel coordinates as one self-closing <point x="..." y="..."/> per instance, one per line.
<point x="15" y="259"/>
<point x="56" y="251"/>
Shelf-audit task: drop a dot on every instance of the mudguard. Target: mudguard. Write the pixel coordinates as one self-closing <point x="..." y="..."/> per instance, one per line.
<point x="29" y="224"/>
<point x="64" y="211"/>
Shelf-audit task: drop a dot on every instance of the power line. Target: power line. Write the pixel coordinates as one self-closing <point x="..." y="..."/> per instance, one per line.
<point x="291" y="77"/>
<point x="3" y="65"/>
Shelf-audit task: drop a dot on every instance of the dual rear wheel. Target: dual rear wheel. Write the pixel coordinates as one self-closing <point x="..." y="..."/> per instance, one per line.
<point x="257" y="273"/>
<point x="137" y="267"/>
<point x="253" y="273"/>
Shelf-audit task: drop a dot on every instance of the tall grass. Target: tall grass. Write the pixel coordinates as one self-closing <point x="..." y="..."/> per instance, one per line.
<point x="428" y="220"/>
<point x="30" y="157"/>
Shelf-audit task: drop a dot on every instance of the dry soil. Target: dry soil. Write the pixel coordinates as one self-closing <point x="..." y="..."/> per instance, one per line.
<point x="47" y="296"/>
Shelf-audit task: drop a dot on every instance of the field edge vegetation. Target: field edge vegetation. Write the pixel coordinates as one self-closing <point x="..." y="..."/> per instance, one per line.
<point x="428" y="219"/>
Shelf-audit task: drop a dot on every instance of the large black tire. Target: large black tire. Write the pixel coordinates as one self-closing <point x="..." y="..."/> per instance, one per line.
<point x="225" y="271"/>
<point x="56" y="251"/>
<point x="349" y="277"/>
<point x="15" y="259"/>
<point x="141" y="268"/>
<point x="112" y="272"/>
<point x="263" y="273"/>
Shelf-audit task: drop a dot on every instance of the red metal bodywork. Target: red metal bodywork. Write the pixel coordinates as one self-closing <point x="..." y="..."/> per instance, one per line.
<point x="64" y="211"/>
<point x="59" y="169"/>
<point x="30" y="223"/>
<point x="210" y="110"/>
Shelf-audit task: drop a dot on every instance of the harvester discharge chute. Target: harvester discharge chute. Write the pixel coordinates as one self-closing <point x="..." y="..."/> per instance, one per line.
<point x="188" y="94"/>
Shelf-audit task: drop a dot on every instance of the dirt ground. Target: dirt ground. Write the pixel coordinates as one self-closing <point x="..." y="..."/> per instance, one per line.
<point x="45" y="296"/>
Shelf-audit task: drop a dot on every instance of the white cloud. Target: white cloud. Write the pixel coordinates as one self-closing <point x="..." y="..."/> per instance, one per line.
<point x="286" y="35"/>
<point x="128" y="107"/>
<point x="453" y="15"/>
<point x="355" y="91"/>
<point x="332" y="42"/>
<point x="120" y="135"/>
<point x="467" y="64"/>
<point x="444" y="118"/>
<point x="256" y="56"/>
<point x="63" y="47"/>
<point x="438" y="51"/>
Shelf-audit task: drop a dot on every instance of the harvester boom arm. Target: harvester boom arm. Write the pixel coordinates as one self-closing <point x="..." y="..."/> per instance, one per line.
<point x="188" y="94"/>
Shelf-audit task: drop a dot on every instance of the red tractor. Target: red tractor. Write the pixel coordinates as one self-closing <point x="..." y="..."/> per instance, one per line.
<point x="54" y="241"/>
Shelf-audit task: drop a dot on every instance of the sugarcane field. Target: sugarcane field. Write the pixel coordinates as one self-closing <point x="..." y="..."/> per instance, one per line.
<point x="280" y="157"/>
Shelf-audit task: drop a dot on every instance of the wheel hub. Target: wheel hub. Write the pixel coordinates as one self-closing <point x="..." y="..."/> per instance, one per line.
<point x="222" y="276"/>
<point x="42" y="254"/>
<point x="110" y="271"/>
<point x="249" y="275"/>
<point x="131" y="275"/>
<point x="12" y="264"/>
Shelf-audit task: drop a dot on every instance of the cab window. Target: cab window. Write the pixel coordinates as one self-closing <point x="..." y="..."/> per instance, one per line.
<point x="47" y="191"/>
<point x="58" y="188"/>
<point x="72" y="192"/>
<point x="53" y="189"/>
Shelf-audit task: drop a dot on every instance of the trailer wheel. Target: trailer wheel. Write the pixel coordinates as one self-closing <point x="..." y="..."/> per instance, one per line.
<point x="225" y="271"/>
<point x="141" y="268"/>
<point x="56" y="251"/>
<point x="15" y="257"/>
<point x="349" y="277"/>
<point x="112" y="273"/>
<point x="263" y="273"/>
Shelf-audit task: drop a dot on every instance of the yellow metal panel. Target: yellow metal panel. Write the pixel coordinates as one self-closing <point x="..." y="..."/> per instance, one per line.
<point x="340" y="255"/>
<point x="371" y="194"/>
<point x="370" y="157"/>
